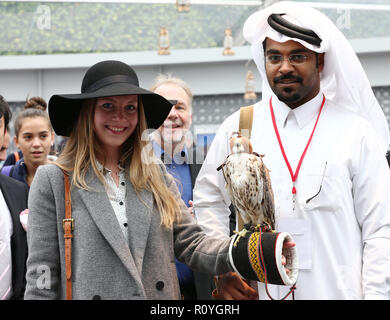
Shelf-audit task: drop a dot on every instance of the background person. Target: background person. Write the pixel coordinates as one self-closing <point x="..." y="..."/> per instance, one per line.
<point x="13" y="157"/>
<point x="13" y="244"/>
<point x="34" y="137"/>
<point x="4" y="148"/>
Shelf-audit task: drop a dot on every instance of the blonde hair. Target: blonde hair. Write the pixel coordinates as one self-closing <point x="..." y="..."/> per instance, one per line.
<point x="81" y="150"/>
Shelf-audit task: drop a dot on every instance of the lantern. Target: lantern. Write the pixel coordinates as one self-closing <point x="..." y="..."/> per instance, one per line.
<point x="183" y="5"/>
<point x="250" y="87"/>
<point x="163" y="42"/>
<point x="228" y="43"/>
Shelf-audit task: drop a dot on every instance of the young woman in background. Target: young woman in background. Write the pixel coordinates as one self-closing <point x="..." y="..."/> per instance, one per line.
<point x="34" y="136"/>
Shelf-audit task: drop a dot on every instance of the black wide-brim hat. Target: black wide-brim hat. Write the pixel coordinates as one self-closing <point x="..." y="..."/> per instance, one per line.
<point x="105" y="79"/>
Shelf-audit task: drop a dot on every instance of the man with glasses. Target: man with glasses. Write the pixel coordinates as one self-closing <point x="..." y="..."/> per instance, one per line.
<point x="324" y="137"/>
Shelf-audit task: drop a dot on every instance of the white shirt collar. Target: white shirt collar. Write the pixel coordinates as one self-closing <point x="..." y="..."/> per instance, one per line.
<point x="302" y="115"/>
<point x="105" y="170"/>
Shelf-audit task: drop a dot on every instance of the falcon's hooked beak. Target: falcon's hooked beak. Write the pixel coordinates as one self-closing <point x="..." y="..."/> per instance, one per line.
<point x="237" y="140"/>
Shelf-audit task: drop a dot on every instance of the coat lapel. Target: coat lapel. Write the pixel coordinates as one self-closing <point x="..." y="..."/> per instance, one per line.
<point x="102" y="213"/>
<point x="194" y="164"/>
<point x="139" y="208"/>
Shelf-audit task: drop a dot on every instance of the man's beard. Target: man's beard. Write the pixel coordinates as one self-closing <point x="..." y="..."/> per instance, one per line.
<point x="284" y="94"/>
<point x="295" y="97"/>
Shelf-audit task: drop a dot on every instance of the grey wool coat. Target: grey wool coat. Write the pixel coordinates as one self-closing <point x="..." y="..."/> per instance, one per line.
<point x="104" y="264"/>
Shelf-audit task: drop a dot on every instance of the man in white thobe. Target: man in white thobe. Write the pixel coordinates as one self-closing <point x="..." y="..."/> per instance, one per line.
<point x="339" y="211"/>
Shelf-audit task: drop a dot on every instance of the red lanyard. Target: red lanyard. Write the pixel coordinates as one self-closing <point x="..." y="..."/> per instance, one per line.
<point x="294" y="176"/>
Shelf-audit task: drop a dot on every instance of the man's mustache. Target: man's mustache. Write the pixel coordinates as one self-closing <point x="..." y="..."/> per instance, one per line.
<point x="288" y="77"/>
<point x="171" y="124"/>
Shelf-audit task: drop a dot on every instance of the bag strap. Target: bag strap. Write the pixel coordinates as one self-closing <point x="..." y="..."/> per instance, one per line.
<point x="16" y="155"/>
<point x="245" y="129"/>
<point x="246" y="119"/>
<point x="68" y="226"/>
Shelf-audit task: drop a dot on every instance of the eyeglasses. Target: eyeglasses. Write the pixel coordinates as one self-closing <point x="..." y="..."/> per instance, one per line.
<point x="294" y="59"/>
<point x="322" y="180"/>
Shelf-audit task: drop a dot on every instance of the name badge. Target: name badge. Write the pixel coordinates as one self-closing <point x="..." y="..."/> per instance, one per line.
<point x="301" y="231"/>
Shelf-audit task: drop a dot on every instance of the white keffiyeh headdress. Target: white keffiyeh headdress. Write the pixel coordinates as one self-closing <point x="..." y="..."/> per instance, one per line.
<point x="343" y="79"/>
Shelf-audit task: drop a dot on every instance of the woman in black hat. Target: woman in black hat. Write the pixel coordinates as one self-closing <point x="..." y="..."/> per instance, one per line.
<point x="128" y="220"/>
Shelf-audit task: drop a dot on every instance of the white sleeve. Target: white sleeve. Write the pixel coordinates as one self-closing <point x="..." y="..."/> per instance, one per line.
<point x="211" y="201"/>
<point x="371" y="185"/>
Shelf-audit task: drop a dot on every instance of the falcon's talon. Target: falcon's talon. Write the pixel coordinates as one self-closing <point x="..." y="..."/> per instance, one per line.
<point x="241" y="234"/>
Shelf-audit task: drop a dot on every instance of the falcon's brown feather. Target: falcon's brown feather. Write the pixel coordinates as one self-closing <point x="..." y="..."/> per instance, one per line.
<point x="249" y="184"/>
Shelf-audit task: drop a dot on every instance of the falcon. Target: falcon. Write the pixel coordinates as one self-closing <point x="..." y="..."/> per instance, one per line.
<point x="249" y="186"/>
